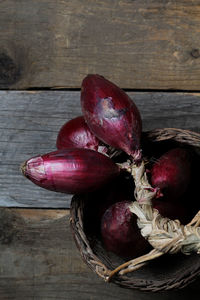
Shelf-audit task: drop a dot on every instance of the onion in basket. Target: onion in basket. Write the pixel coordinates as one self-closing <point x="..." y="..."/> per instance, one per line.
<point x="171" y="174"/>
<point x="120" y="232"/>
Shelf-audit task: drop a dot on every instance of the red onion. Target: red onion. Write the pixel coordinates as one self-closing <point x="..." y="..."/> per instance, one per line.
<point x="76" y="134"/>
<point x="70" y="171"/>
<point x="171" y="173"/>
<point x="111" y="115"/>
<point x="120" y="232"/>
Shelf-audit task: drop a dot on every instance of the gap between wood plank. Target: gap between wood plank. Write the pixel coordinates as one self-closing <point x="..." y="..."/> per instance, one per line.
<point x="38" y="214"/>
<point x="78" y="89"/>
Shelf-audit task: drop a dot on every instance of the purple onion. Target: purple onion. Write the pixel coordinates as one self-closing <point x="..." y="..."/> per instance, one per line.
<point x="120" y="233"/>
<point x="172" y="174"/>
<point x="111" y="115"/>
<point x="76" y="134"/>
<point x="71" y="171"/>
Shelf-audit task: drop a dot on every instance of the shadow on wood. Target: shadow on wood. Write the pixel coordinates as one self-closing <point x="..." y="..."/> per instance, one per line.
<point x="40" y="261"/>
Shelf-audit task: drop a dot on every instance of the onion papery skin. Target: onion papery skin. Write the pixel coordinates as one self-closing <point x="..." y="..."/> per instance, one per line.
<point x="110" y="114"/>
<point x="172" y="174"/>
<point x="76" y="134"/>
<point x="71" y="171"/>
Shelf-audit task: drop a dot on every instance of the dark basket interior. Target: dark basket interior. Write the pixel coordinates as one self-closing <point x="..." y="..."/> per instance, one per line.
<point x="164" y="273"/>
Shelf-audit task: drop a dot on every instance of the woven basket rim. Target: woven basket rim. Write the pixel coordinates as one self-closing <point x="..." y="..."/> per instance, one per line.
<point x="179" y="135"/>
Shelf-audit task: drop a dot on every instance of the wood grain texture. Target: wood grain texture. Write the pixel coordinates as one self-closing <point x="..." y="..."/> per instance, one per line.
<point x="30" y="121"/>
<point x="39" y="260"/>
<point x="150" y="44"/>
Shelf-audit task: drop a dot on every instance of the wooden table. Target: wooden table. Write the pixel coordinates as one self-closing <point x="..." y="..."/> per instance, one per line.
<point x="151" y="49"/>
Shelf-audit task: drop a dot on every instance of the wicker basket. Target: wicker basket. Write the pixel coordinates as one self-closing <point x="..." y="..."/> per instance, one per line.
<point x="164" y="273"/>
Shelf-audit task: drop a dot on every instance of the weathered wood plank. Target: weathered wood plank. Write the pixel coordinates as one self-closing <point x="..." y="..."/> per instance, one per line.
<point x="150" y="44"/>
<point x="29" y="122"/>
<point x="39" y="260"/>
